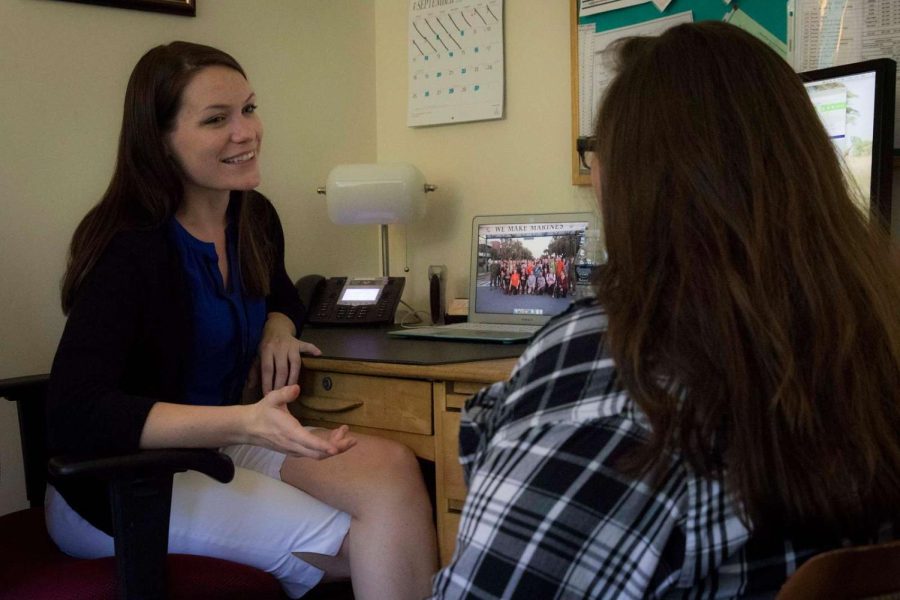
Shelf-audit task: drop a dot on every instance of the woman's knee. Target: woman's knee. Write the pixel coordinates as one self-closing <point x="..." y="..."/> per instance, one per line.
<point x="375" y="475"/>
<point x="400" y="456"/>
<point x="389" y="459"/>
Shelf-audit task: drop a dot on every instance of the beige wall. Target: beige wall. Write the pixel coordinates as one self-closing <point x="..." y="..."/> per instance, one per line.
<point x="520" y="164"/>
<point x="63" y="70"/>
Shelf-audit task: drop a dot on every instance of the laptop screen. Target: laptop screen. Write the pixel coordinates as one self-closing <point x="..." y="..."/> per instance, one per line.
<point x="523" y="266"/>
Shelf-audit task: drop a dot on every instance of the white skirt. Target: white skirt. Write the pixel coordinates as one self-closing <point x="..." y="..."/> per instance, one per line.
<point x="256" y="520"/>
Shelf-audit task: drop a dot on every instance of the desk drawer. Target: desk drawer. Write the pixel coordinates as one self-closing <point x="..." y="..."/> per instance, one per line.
<point x="381" y="402"/>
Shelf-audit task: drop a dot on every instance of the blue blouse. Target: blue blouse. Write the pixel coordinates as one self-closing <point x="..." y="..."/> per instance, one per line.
<point x="227" y="324"/>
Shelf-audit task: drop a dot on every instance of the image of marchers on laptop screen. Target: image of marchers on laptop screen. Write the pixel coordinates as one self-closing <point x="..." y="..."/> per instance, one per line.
<point x="524" y="269"/>
<point x="527" y="268"/>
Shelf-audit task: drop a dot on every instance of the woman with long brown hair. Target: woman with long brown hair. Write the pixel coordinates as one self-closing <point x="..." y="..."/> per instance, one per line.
<point x="734" y="406"/>
<point x="175" y="289"/>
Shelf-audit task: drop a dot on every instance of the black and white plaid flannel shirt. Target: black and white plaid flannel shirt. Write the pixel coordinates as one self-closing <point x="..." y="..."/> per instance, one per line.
<point x="549" y="516"/>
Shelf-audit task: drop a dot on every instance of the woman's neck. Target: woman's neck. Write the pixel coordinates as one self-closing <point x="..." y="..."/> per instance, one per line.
<point x="205" y="216"/>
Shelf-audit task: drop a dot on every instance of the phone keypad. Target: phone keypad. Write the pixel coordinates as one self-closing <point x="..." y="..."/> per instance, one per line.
<point x="352" y="312"/>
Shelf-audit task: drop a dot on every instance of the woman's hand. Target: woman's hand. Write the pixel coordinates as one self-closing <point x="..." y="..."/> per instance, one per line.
<point x="279" y="353"/>
<point x="271" y="425"/>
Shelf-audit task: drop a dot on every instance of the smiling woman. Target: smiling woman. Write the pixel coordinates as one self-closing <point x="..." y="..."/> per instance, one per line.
<point x="183" y="332"/>
<point x="187" y="8"/>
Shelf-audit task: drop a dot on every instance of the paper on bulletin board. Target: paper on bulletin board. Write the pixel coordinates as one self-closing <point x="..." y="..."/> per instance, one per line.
<point x="455" y="61"/>
<point x="826" y="33"/>
<point x="596" y="73"/>
<point x="594" y="7"/>
<point x="741" y="19"/>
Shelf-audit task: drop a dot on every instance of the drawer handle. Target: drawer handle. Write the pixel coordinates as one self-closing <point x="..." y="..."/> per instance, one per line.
<point x="330" y="405"/>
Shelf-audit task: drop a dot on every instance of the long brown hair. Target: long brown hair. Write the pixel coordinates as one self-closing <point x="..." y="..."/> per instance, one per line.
<point x="146" y="188"/>
<point x="753" y="309"/>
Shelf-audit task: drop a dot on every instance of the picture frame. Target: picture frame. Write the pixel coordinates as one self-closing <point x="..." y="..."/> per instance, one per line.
<point x="185" y="8"/>
<point x="579" y="175"/>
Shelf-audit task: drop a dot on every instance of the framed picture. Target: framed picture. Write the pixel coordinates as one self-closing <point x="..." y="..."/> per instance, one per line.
<point x="187" y="8"/>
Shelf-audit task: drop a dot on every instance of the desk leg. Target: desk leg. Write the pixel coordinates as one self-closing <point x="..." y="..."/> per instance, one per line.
<point x="449" y="486"/>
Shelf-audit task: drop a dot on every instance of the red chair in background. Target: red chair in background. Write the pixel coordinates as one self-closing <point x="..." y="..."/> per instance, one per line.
<point x="856" y="572"/>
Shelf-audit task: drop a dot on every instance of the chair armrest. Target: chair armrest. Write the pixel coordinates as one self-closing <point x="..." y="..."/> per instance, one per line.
<point x="140" y="497"/>
<point x="147" y="463"/>
<point x="140" y="487"/>
<point x="29" y="393"/>
<point x="14" y="387"/>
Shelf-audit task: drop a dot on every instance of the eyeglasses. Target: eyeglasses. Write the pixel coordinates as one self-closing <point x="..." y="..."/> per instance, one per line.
<point x="585" y="147"/>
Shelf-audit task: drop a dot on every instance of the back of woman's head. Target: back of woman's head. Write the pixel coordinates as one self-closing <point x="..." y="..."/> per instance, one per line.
<point x="752" y="306"/>
<point x="146" y="186"/>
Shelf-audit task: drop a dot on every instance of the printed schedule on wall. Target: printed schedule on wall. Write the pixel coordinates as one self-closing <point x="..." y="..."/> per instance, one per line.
<point x="455" y="61"/>
<point x="839" y="32"/>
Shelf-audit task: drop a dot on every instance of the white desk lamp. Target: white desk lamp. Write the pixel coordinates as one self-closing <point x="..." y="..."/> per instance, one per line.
<point x="378" y="194"/>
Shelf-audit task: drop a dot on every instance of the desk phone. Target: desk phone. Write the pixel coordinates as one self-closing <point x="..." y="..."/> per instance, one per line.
<point x="350" y="300"/>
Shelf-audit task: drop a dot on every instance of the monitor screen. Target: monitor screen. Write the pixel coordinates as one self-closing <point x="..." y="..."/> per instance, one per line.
<point x="856" y="105"/>
<point x="528" y="268"/>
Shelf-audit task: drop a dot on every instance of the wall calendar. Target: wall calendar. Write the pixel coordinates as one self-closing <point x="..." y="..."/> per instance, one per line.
<point x="455" y="50"/>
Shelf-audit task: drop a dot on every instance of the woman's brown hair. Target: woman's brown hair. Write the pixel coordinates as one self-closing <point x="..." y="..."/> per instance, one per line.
<point x="753" y="308"/>
<point x="146" y="187"/>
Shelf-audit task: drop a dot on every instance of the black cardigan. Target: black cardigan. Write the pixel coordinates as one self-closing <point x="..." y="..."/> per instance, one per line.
<point x="125" y="346"/>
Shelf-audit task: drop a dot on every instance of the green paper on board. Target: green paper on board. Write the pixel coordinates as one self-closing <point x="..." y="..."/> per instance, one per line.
<point x="741" y="19"/>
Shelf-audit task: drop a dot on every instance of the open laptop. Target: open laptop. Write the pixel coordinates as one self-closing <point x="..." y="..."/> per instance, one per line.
<point x="511" y="291"/>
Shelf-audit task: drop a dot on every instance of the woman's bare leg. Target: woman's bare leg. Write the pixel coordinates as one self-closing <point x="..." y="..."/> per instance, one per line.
<point x="392" y="546"/>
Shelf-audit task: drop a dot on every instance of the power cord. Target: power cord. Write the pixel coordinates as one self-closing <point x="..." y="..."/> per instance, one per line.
<point x="419" y="322"/>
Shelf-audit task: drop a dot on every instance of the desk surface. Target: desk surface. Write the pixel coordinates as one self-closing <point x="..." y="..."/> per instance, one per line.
<point x="374" y="345"/>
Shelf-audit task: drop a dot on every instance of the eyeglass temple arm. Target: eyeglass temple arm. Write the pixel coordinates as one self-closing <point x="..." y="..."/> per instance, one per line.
<point x="583" y="145"/>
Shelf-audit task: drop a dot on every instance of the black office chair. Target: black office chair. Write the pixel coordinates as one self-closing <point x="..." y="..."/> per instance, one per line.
<point x="31" y="566"/>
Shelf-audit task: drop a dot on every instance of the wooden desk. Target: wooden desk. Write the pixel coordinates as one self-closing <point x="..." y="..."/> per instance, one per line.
<point x="416" y="404"/>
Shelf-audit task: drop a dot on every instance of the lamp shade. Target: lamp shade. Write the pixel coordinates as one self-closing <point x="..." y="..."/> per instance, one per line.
<point x="375" y="194"/>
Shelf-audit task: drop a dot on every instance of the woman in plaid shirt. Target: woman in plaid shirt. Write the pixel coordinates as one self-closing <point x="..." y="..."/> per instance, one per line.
<point x="734" y="406"/>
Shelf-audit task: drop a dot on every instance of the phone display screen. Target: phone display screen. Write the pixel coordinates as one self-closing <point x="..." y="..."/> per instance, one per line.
<point x="359" y="295"/>
<point x="359" y="292"/>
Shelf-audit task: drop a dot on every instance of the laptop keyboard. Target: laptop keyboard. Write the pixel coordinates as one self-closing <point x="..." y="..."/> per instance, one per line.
<point x="498" y="327"/>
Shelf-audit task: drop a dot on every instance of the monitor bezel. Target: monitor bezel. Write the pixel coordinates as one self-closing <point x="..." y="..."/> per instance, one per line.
<point x="885" y="69"/>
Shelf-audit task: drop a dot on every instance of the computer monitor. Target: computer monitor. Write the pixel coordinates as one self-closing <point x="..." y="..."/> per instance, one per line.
<point x="856" y="105"/>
